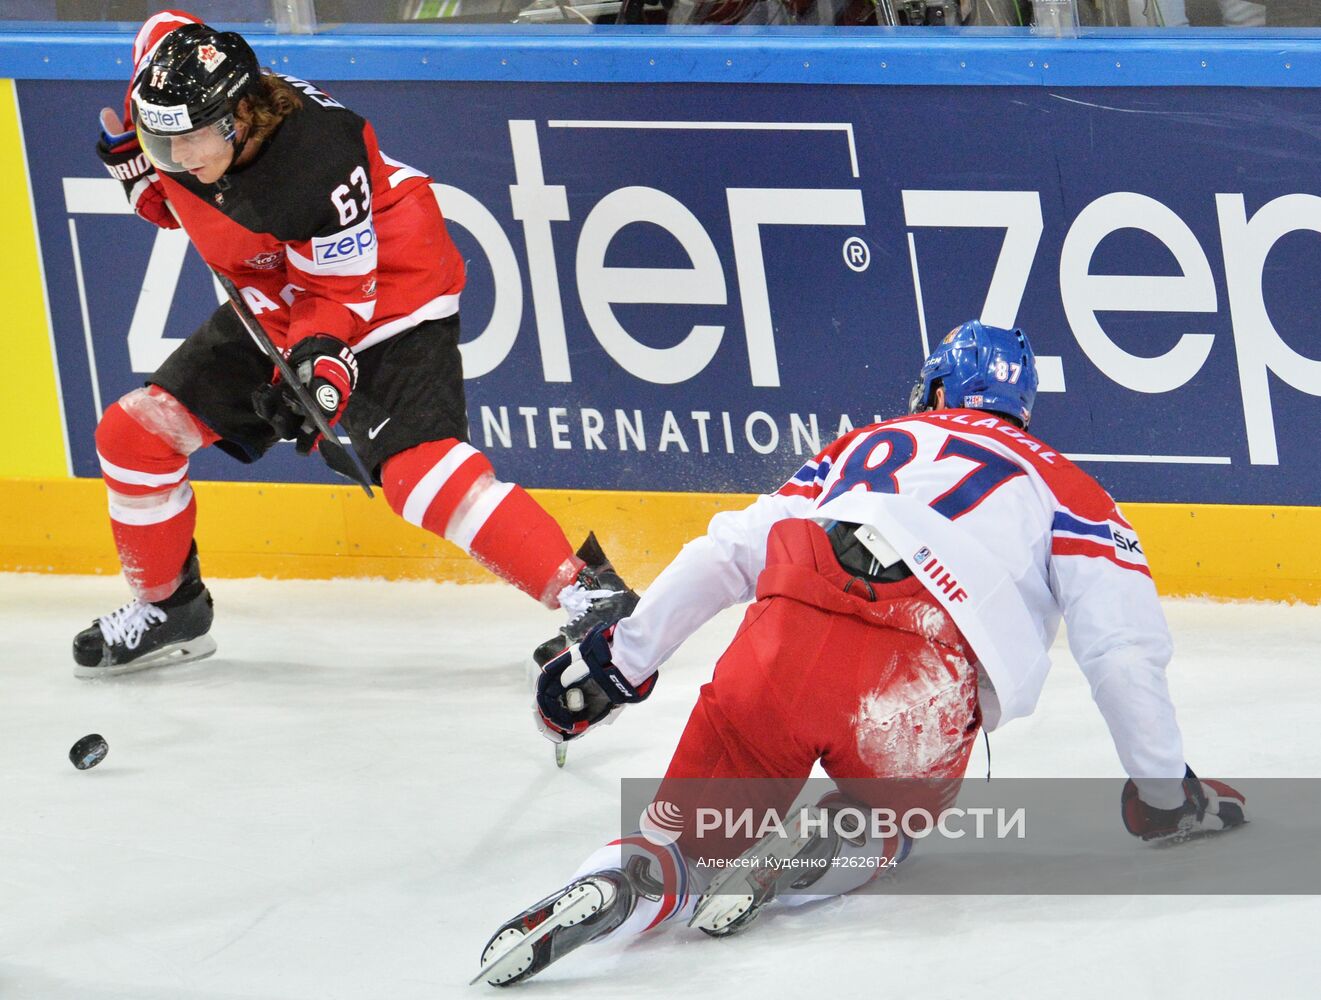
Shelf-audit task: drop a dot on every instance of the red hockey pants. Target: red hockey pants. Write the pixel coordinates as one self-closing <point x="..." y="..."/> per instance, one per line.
<point x="874" y="682"/>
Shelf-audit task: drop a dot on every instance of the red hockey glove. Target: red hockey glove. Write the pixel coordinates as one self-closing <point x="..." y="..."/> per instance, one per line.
<point x="1209" y="807"/>
<point x="329" y="370"/>
<point x="584" y="676"/>
<point x="127" y="163"/>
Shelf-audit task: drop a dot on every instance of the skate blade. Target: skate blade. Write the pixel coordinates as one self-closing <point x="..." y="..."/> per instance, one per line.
<point x="714" y="913"/>
<point x="177" y="652"/>
<point x="732" y="894"/>
<point x="573" y="907"/>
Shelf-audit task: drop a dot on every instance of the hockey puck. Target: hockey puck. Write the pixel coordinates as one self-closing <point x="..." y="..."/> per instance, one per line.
<point x="89" y="751"/>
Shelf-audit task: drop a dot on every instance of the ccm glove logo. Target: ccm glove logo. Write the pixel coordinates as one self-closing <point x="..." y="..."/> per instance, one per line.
<point x="595" y="652"/>
<point x="603" y="688"/>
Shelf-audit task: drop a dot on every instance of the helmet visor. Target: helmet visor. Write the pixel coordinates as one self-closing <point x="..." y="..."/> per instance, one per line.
<point x="191" y="150"/>
<point x="916" y="398"/>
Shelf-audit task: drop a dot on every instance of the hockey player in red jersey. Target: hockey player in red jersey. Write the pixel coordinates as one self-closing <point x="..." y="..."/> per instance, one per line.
<point x="342" y="255"/>
<point x="908" y="583"/>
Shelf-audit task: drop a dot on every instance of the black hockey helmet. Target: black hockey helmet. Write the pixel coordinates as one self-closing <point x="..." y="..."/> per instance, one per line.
<point x="193" y="81"/>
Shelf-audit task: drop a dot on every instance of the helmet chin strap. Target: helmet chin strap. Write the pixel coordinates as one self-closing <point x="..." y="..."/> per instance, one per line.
<point x="238" y="144"/>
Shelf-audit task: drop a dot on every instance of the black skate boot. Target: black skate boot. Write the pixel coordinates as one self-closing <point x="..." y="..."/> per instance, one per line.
<point x="141" y="635"/>
<point x="734" y="899"/>
<point x="597" y="596"/>
<point x="548" y="930"/>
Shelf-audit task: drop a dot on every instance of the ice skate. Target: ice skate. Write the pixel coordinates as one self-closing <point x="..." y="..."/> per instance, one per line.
<point x="734" y="899"/>
<point x="548" y="930"/>
<point x="597" y="596"/>
<point x="141" y="635"/>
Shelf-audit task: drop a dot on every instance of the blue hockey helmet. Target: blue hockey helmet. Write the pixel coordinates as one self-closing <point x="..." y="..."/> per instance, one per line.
<point x="981" y="368"/>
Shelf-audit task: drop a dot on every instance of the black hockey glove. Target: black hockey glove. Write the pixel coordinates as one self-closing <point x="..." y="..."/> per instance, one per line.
<point x="123" y="157"/>
<point x="1208" y="807"/>
<point x="329" y="370"/>
<point x="582" y="687"/>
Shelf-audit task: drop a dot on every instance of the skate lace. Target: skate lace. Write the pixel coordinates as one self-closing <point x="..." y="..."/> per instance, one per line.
<point x="130" y="623"/>
<point x="576" y="600"/>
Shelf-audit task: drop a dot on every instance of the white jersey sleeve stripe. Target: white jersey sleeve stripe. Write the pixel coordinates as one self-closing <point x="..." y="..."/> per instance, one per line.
<point x="141" y="51"/>
<point x="364" y="309"/>
<point x="438" y="308"/>
<point x="402" y="172"/>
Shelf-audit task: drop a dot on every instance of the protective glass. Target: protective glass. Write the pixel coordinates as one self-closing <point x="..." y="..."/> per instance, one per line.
<point x="183" y="151"/>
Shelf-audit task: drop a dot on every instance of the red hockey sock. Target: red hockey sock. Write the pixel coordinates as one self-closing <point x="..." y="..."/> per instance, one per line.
<point x="143" y="442"/>
<point x="449" y="488"/>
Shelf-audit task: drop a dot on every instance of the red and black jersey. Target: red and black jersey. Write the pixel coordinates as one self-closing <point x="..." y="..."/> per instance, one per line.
<point x="322" y="233"/>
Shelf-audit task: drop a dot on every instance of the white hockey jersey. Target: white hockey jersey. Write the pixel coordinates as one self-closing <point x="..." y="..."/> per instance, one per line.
<point x="1006" y="533"/>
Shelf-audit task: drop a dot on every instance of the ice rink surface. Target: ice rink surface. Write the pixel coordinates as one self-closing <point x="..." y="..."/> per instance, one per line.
<point x="349" y="797"/>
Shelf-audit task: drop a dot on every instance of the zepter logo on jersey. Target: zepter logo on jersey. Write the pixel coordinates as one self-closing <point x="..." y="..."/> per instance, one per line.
<point x="350" y="251"/>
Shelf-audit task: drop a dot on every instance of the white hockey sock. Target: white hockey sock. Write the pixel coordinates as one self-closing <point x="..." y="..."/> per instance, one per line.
<point x="667" y="869"/>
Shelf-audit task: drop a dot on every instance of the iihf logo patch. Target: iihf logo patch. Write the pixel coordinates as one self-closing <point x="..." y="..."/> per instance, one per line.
<point x="942" y="578"/>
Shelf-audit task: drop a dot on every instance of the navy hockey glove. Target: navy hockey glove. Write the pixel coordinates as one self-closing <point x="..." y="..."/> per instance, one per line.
<point x="1208" y="807"/>
<point x="585" y="677"/>
<point x="329" y="370"/>
<point x="123" y="157"/>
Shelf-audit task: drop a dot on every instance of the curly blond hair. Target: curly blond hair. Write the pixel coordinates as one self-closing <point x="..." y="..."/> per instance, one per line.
<point x="264" y="112"/>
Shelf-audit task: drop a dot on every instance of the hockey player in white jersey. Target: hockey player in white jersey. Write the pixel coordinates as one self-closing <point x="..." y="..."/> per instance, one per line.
<point x="908" y="583"/>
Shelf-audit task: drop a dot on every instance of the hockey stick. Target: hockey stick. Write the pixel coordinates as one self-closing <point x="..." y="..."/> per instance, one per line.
<point x="573" y="701"/>
<point x="309" y="406"/>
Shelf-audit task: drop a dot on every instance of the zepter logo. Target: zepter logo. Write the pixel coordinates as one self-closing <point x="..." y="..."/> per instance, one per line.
<point x="160" y="118"/>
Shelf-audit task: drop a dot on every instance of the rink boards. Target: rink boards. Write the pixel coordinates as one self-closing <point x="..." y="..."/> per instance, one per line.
<point x="683" y="282"/>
